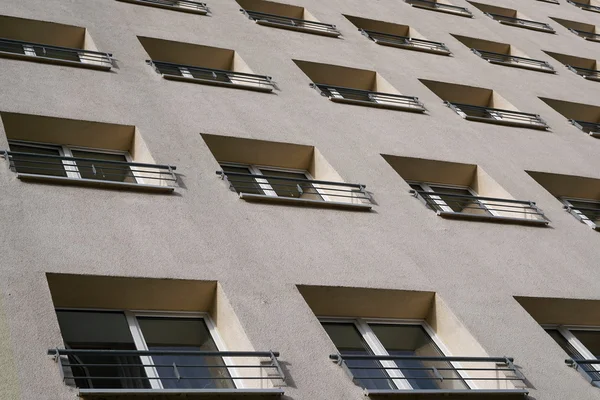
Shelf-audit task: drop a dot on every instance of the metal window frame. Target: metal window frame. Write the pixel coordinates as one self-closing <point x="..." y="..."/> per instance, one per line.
<point x="375" y="345"/>
<point x="426" y="186"/>
<point x="565" y="331"/>
<point x="578" y="214"/>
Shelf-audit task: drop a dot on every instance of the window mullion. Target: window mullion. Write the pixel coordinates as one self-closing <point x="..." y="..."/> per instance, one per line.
<point x="436" y="199"/>
<point x="263" y="183"/>
<point x="69" y="165"/>
<point x="140" y="344"/>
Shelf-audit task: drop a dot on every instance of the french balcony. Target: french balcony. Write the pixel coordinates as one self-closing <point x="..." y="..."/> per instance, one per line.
<point x="514" y="61"/>
<point x="92" y="172"/>
<point x="170" y="374"/>
<point x="521" y="23"/>
<point x="591" y="36"/>
<point x="591" y="128"/>
<point x="479" y="208"/>
<point x="590" y="369"/>
<point x="441" y="7"/>
<point x="498" y="116"/>
<point x="368" y="98"/>
<point x="405" y="42"/>
<point x="424" y="377"/>
<point x="300" y="25"/>
<point x="301" y="192"/>
<point x="550" y="1"/>
<point x="586" y="73"/>
<point x="55" y="55"/>
<point x="211" y="76"/>
<point x="187" y="6"/>
<point x="584" y="6"/>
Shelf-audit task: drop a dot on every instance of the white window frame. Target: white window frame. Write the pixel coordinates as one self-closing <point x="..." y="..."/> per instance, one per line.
<point x="370" y="338"/>
<point x="578" y="214"/>
<point x="264" y="185"/>
<point x="140" y="342"/>
<point x="565" y="331"/>
<point x="66" y="151"/>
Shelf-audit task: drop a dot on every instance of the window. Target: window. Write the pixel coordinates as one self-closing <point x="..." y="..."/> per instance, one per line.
<point x="580" y="343"/>
<point x="587" y="68"/>
<point x="584" y="30"/>
<point x="586" y="210"/>
<point x="164" y="334"/>
<point x="413" y="339"/>
<point x="585" y="117"/>
<point x="440" y="6"/>
<point x="188" y="6"/>
<point x="512" y="17"/>
<point x="452" y="198"/>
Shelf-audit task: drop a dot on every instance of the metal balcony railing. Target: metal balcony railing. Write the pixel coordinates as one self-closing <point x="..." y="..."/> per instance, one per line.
<point x="178" y="5"/>
<point x="550" y="1"/>
<point x="90" y="169"/>
<point x="441" y="375"/>
<point x="507" y="59"/>
<point x="174" y="372"/>
<point x="482" y="208"/>
<point x="435" y="6"/>
<point x="590" y="369"/>
<point x="246" y="184"/>
<point x="584" y="6"/>
<point x="588" y="215"/>
<point x="594" y="37"/>
<point x="497" y="115"/>
<point x="522" y="23"/>
<point x="587" y="73"/>
<point x="65" y="55"/>
<point x="288" y="22"/>
<point x="368" y="98"/>
<point x="591" y="128"/>
<point x="214" y="76"/>
<point x="406" y="42"/>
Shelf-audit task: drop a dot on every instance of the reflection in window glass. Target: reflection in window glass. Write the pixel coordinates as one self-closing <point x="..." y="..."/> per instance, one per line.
<point x="242" y="183"/>
<point x="101" y="170"/>
<point x="286" y="188"/>
<point x="37" y="165"/>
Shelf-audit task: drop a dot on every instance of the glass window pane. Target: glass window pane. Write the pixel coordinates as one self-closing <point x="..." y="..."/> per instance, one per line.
<point x="242" y="183"/>
<point x="349" y="341"/>
<point x="590" y="339"/>
<point x="413" y="340"/>
<point x="573" y="353"/>
<point x="37" y="165"/>
<point x="184" y="334"/>
<point x="457" y="203"/>
<point x="279" y="181"/>
<point x="101" y="331"/>
<point x="103" y="171"/>
<point x="590" y="209"/>
<point x="59" y="54"/>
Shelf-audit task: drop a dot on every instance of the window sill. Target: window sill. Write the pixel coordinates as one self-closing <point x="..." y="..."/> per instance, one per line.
<point x="523" y="66"/>
<point x="166" y="7"/>
<point x="56" y="61"/>
<point x="378" y="105"/>
<point x="217" y="83"/>
<point x="96" y="183"/>
<point x="507" y="123"/>
<point x="305" y="202"/>
<point x="415" y="48"/>
<point x="457" y="13"/>
<point x="532" y="28"/>
<point x="298" y="29"/>
<point x="492" y="218"/>
<point x="450" y="394"/>
<point x="178" y="393"/>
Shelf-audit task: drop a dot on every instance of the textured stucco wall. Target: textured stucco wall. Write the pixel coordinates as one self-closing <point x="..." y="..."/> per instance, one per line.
<point x="258" y="252"/>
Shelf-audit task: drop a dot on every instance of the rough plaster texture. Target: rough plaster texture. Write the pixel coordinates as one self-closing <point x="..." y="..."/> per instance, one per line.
<point x="258" y="252"/>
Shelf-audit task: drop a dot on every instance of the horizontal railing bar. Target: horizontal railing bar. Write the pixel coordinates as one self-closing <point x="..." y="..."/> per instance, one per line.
<point x="70" y="49"/>
<point x="408" y="38"/>
<point x="267" y="354"/>
<point x="584" y="33"/>
<point x="75" y="167"/>
<point x="500" y="110"/>
<point x="595" y="210"/>
<point x="167" y="365"/>
<point x="360" y="368"/>
<point x="174" y="2"/>
<point x="512" y="57"/>
<point x="224" y="71"/>
<point x="583" y="5"/>
<point x="303" y="21"/>
<point x="124" y="163"/>
<point x="581" y="69"/>
<point x="391" y="95"/>
<point x="435" y="378"/>
<point x="305" y="187"/>
<point x="143" y="378"/>
<point x="419" y="358"/>
<point x="524" y="21"/>
<point x="469" y="197"/>
<point x="440" y="5"/>
<point x="358" y="186"/>
<point x="587" y="361"/>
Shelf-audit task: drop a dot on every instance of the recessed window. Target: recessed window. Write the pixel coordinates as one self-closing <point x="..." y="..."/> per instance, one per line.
<point x="463" y="191"/>
<point x="504" y="54"/>
<point x="396" y="35"/>
<point x="440" y="6"/>
<point x="188" y="6"/>
<point x="98" y="154"/>
<point x="283" y="173"/>
<point x="357" y="87"/>
<point x="483" y="105"/>
<point x="584" y="67"/>
<point x="49" y="42"/>
<point x="584" y="117"/>
<point x="286" y="16"/>
<point x="587" y="5"/>
<point x="582" y="29"/>
<point x="550" y="1"/>
<point x="512" y="17"/>
<point x="206" y="65"/>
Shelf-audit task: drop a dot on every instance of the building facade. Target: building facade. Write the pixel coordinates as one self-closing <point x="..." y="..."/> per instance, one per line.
<point x="402" y="202"/>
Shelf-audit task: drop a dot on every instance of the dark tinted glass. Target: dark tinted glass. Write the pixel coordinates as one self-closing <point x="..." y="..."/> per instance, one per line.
<point x="30" y="164"/>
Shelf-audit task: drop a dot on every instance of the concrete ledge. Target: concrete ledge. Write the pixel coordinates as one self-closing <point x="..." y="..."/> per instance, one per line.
<point x="478" y="394"/>
<point x="55" y="61"/>
<point x="217" y="83"/>
<point x="415" y="48"/>
<point x="523" y="66"/>
<point x="305" y="202"/>
<point x="167" y="7"/>
<point x="492" y="218"/>
<point x="377" y="105"/>
<point x="95" y="183"/>
<point x="591" y="39"/>
<point x="592" y="78"/>
<point x="507" y="123"/>
<point x="297" y="28"/>
<point x="159" y="394"/>
<point x="532" y="28"/>
<point x="446" y="11"/>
